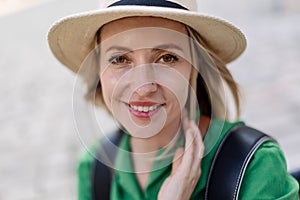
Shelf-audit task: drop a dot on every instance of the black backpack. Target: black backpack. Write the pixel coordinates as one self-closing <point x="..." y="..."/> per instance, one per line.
<point x="233" y="156"/>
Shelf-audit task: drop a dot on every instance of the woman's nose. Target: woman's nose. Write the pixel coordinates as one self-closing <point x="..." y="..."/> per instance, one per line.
<point x="144" y="71"/>
<point x="147" y="89"/>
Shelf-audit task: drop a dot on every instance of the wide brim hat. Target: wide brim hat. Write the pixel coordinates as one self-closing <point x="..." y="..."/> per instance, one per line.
<point x="72" y="38"/>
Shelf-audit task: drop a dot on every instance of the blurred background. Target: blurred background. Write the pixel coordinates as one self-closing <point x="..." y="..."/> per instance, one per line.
<point x="39" y="145"/>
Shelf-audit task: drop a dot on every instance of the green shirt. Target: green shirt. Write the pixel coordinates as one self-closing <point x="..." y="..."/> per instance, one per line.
<point x="266" y="176"/>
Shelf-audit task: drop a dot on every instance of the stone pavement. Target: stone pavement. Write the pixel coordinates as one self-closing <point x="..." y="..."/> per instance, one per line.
<point x="39" y="144"/>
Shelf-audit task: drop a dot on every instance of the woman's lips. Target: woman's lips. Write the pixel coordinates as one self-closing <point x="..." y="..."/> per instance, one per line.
<point x="143" y="109"/>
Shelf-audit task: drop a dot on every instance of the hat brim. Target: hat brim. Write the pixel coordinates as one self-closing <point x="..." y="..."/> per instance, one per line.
<point x="72" y="38"/>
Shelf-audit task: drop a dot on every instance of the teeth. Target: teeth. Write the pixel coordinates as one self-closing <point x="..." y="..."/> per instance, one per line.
<point x="144" y="108"/>
<point x="152" y="108"/>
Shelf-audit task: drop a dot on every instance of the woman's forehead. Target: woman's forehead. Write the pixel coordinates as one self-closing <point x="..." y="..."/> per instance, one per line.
<point x="128" y="23"/>
<point x="159" y="33"/>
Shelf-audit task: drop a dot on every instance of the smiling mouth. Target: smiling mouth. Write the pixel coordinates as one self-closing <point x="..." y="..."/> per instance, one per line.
<point x="143" y="108"/>
<point x="144" y="111"/>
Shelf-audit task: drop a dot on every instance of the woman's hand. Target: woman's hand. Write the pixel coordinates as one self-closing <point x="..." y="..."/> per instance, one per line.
<point x="186" y="165"/>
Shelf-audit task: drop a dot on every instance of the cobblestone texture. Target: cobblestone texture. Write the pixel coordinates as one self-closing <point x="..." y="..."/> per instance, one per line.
<point x="39" y="145"/>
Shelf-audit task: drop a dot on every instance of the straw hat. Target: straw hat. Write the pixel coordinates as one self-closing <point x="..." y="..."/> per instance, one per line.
<point x="72" y="38"/>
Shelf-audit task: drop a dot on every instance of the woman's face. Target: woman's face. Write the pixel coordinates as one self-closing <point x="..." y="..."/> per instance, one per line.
<point x="145" y="73"/>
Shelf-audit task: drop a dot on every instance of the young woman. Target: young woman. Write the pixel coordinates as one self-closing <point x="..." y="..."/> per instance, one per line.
<point x="159" y="68"/>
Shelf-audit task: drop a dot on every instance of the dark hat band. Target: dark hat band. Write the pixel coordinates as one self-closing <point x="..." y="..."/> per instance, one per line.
<point x="158" y="3"/>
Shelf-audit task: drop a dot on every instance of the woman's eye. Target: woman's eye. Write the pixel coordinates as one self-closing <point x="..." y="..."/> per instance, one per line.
<point x="118" y="60"/>
<point x="168" y="58"/>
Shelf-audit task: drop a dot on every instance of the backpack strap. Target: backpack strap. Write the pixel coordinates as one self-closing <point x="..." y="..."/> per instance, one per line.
<point x="231" y="160"/>
<point x="101" y="175"/>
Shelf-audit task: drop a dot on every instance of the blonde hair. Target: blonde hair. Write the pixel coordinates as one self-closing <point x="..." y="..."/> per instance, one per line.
<point x="208" y="76"/>
<point x="212" y="81"/>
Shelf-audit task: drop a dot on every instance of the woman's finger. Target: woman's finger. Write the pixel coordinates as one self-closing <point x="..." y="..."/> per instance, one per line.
<point x="198" y="141"/>
<point x="177" y="160"/>
<point x="187" y="159"/>
<point x="185" y="121"/>
<point x="193" y="152"/>
<point x="198" y="150"/>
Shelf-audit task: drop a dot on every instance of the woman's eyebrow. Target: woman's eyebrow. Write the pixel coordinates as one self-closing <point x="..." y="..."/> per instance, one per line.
<point x="167" y="46"/>
<point x="118" y="48"/>
<point x="156" y="48"/>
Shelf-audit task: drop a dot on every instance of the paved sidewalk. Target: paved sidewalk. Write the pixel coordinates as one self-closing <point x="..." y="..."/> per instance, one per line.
<point x="39" y="144"/>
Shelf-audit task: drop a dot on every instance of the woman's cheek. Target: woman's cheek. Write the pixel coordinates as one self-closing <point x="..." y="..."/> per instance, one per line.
<point x="108" y="82"/>
<point x="187" y="71"/>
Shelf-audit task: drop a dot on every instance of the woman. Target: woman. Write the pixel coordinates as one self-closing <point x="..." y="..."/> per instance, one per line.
<point x="158" y="67"/>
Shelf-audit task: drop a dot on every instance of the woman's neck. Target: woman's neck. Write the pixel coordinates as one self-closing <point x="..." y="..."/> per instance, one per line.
<point x="144" y="150"/>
